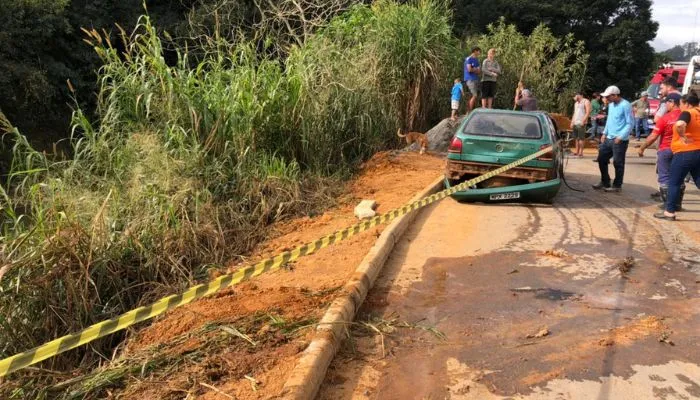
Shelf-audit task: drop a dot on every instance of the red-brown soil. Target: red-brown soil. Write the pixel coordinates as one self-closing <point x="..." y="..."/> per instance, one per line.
<point x="275" y="311"/>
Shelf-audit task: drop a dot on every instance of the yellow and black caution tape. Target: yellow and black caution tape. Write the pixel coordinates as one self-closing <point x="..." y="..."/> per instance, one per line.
<point x="132" y="317"/>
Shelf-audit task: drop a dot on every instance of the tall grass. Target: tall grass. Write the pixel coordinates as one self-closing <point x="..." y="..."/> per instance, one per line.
<point x="552" y="68"/>
<point x="189" y="162"/>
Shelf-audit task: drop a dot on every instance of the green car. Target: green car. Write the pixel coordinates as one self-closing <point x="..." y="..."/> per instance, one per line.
<point x="488" y="139"/>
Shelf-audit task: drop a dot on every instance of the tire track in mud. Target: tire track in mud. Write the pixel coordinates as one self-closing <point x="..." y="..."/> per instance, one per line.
<point x="468" y="298"/>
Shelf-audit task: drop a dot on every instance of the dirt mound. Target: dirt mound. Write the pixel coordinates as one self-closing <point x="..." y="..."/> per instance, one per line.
<point x="204" y="356"/>
<point x="563" y="122"/>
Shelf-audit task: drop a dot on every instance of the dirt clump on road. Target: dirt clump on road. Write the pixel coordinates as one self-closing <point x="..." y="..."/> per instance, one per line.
<point x="626" y="265"/>
<point x="244" y="342"/>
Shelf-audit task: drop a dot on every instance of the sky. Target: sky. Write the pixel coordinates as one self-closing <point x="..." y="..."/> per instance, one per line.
<point x="677" y="22"/>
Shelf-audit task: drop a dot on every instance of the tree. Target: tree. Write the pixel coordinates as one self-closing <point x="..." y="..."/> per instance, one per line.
<point x="42" y="48"/>
<point x="553" y="68"/>
<point x="616" y="33"/>
<point x="682" y="52"/>
<point x="32" y="73"/>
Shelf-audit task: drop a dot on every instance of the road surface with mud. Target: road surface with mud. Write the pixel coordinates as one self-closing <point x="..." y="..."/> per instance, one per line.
<point x="590" y="298"/>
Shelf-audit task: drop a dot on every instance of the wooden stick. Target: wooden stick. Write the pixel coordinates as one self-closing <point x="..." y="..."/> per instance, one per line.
<point x="522" y="75"/>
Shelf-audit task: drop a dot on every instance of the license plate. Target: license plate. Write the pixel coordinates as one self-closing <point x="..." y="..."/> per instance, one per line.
<point x="505" y="196"/>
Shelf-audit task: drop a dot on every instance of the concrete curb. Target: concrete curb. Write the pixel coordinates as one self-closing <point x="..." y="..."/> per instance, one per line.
<point x="308" y="374"/>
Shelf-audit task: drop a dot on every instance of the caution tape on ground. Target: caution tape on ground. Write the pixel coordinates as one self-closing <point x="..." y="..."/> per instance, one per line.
<point x="165" y="304"/>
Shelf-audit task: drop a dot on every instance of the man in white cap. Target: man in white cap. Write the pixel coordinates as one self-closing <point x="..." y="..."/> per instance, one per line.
<point x="615" y="139"/>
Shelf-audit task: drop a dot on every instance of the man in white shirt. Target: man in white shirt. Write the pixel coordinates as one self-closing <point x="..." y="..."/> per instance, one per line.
<point x="582" y="111"/>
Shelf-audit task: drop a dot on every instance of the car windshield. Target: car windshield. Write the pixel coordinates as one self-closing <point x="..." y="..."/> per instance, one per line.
<point x="502" y="124"/>
<point x="653" y="91"/>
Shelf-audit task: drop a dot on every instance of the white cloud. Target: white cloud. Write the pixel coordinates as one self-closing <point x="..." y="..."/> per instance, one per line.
<point x="677" y="22"/>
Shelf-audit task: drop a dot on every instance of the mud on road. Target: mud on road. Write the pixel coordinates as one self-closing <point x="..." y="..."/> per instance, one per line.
<point x="587" y="299"/>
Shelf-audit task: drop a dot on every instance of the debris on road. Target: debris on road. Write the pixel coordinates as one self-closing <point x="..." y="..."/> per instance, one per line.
<point x="526" y="289"/>
<point x="606" y="342"/>
<point x="559" y="253"/>
<point x="626" y="265"/>
<point x="366" y="209"/>
<point x="664" y="338"/>
<point x="542" y="333"/>
<point x="513" y="272"/>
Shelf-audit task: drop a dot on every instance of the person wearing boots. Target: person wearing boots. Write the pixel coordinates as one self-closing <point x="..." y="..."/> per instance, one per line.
<point x="685" y="146"/>
<point x="663" y="131"/>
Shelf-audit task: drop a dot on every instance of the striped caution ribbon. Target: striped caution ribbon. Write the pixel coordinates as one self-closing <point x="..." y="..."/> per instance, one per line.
<point x="165" y="304"/>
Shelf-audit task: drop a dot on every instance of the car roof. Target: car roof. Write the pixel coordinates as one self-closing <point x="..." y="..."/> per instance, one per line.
<point x="514" y="112"/>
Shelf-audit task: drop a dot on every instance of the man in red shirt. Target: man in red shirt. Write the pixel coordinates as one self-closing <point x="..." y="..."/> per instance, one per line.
<point x="664" y="131"/>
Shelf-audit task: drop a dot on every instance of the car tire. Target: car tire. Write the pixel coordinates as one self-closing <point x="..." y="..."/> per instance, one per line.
<point x="545" y="199"/>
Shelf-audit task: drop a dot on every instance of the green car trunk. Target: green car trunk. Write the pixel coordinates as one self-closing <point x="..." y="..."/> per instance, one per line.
<point x="489" y="139"/>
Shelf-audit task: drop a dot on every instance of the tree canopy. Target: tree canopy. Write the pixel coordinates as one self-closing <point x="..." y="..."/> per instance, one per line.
<point x="681" y="52"/>
<point x="616" y="33"/>
<point x="42" y="48"/>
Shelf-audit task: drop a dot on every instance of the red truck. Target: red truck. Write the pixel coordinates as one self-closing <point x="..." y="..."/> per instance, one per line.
<point x="673" y="69"/>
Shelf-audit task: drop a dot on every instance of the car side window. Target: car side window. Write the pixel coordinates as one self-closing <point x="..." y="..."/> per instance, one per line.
<point x="553" y="128"/>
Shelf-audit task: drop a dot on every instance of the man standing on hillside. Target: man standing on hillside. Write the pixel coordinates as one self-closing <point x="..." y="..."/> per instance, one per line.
<point x="582" y="111"/>
<point x="472" y="69"/>
<point x="615" y="140"/>
<point x="641" y="114"/>
<point x="491" y="70"/>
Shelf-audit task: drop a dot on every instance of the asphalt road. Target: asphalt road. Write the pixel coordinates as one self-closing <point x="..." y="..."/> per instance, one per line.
<point x="590" y="298"/>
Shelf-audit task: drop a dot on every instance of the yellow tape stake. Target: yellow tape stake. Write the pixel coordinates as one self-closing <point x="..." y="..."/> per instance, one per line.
<point x="140" y="314"/>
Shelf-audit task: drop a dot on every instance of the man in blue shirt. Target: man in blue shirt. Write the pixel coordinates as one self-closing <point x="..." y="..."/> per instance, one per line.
<point x="615" y="139"/>
<point x="472" y="70"/>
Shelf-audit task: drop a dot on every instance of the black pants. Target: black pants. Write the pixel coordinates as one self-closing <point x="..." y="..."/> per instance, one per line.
<point x="617" y="151"/>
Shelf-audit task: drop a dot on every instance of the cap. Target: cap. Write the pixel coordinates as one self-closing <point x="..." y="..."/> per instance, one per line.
<point x="610" y="90"/>
<point x="674" y="97"/>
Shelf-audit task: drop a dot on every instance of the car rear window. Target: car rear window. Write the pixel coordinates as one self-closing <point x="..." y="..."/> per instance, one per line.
<point x="505" y="125"/>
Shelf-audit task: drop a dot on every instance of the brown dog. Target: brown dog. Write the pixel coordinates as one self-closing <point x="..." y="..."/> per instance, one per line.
<point x="415" y="137"/>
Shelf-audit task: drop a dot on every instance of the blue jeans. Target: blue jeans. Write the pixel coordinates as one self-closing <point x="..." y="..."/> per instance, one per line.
<point x="593" y="130"/>
<point x="641" y="124"/>
<point x="617" y="151"/>
<point x="663" y="166"/>
<point x="682" y="164"/>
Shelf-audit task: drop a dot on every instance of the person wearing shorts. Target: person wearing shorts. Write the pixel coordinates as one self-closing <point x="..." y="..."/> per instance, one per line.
<point x="582" y="111"/>
<point x="490" y="71"/>
<point x="472" y="69"/>
<point x="457" y="93"/>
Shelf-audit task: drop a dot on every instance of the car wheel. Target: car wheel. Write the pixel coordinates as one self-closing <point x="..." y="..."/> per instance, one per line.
<point x="545" y="199"/>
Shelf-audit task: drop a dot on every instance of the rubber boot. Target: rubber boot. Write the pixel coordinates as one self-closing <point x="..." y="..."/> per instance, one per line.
<point x="679" y="205"/>
<point x="663" y="194"/>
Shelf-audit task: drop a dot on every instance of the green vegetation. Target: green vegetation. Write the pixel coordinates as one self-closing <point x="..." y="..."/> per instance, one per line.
<point x="188" y="163"/>
<point x="196" y="148"/>
<point x="41" y="48"/>
<point x="551" y="67"/>
<point x="616" y="34"/>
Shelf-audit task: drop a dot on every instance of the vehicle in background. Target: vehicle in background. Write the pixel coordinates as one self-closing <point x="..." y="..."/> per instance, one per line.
<point x="691" y="83"/>
<point x="676" y="69"/>
<point x="489" y="139"/>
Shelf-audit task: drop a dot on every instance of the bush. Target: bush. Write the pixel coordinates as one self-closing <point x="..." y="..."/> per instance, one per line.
<point x="553" y="68"/>
<point x="189" y="162"/>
